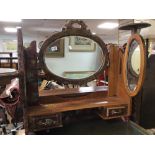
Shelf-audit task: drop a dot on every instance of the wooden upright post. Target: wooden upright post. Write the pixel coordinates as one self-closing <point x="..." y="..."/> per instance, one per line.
<point x="32" y="75"/>
<point x="113" y="70"/>
<point x="22" y="75"/>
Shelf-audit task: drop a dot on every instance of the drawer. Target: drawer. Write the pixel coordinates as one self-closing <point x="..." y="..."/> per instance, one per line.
<point x="38" y="123"/>
<point x="112" y="112"/>
<point x="116" y="111"/>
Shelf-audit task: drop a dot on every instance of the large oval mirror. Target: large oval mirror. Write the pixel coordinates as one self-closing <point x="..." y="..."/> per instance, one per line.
<point x="73" y="56"/>
<point x="134" y="65"/>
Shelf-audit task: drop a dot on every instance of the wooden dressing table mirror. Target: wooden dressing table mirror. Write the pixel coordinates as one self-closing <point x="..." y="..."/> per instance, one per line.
<point x="76" y="56"/>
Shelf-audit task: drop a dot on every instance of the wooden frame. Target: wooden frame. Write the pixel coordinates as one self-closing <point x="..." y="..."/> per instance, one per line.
<point x="84" y="47"/>
<point x="22" y="76"/>
<point x="44" y="110"/>
<point x="140" y="41"/>
<point x="49" y="106"/>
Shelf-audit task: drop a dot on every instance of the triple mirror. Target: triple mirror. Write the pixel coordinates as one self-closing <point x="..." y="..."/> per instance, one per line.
<point x="76" y="56"/>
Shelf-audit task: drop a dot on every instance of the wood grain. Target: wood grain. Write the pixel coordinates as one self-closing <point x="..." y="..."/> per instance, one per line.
<point x="72" y="91"/>
<point x="22" y="77"/>
<point x="113" y="70"/>
<point x="31" y="74"/>
<point x="69" y="94"/>
<point x="74" y="105"/>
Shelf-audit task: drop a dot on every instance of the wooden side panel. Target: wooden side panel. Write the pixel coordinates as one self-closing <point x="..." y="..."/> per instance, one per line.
<point x="22" y="75"/>
<point x="121" y="91"/>
<point x="113" y="70"/>
<point x="32" y="75"/>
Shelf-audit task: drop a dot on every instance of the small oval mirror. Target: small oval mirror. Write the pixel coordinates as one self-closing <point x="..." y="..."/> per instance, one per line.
<point x="74" y="57"/>
<point x="134" y="65"/>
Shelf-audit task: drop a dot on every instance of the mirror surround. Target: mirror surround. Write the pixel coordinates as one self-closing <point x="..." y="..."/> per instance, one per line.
<point x="138" y="39"/>
<point x="69" y="30"/>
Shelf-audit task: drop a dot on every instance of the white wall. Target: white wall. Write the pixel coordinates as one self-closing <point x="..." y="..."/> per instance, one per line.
<point x="1" y="45"/>
<point x="75" y="61"/>
<point x="13" y="38"/>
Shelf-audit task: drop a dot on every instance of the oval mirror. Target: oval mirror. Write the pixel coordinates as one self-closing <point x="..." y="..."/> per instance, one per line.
<point x="73" y="56"/>
<point x="134" y="64"/>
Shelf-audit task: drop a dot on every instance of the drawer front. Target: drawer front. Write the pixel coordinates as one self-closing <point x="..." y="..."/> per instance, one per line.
<point x="112" y="112"/>
<point x="116" y="111"/>
<point x="45" y="122"/>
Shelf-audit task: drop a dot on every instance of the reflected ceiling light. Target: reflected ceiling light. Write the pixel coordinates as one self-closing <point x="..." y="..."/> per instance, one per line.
<point x="93" y="33"/>
<point x="108" y="25"/>
<point x="10" y="29"/>
<point x="11" y="20"/>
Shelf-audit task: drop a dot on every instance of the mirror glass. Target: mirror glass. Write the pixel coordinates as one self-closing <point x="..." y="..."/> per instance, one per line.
<point x="133" y="65"/>
<point x="74" y="57"/>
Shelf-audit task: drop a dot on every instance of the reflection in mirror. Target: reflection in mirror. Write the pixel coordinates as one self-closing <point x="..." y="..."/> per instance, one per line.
<point x="133" y="65"/>
<point x="74" y="57"/>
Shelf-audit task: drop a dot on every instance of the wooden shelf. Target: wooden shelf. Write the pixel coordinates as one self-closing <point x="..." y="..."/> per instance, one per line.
<point x="46" y="109"/>
<point x="68" y="91"/>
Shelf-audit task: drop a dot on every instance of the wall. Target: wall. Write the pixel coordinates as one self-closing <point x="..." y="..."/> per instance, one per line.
<point x="1" y="45"/>
<point x="75" y="61"/>
<point x="13" y="38"/>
